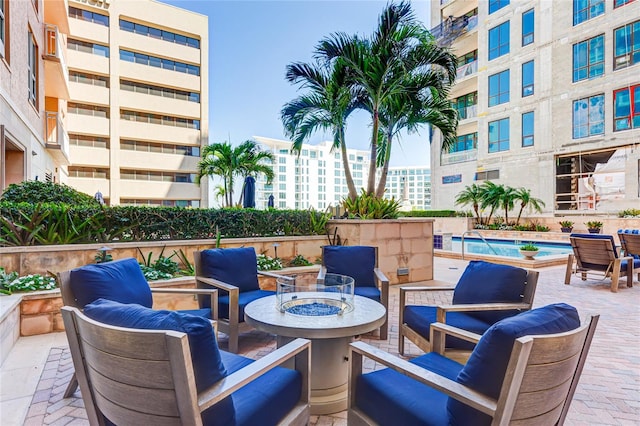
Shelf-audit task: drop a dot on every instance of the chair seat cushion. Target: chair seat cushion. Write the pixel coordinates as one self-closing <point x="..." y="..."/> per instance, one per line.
<point x="121" y="280"/>
<point x="235" y="266"/>
<point x="355" y="261"/>
<point x="243" y="300"/>
<point x="205" y="356"/>
<point x="485" y="282"/>
<point x="368" y="292"/>
<point x="486" y="367"/>
<point x="420" y="318"/>
<point x="266" y="400"/>
<point x="623" y="264"/>
<point x="204" y="313"/>
<point x="391" y="398"/>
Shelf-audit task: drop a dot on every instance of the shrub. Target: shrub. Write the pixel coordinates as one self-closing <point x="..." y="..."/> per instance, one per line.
<point x="368" y="206"/>
<point x="432" y="213"/>
<point x="594" y="224"/>
<point x="566" y="223"/>
<point x="299" y="260"/>
<point x="629" y="213"/>
<point x="529" y="247"/>
<point x="268" y="263"/>
<point x="35" y="192"/>
<point x="33" y="282"/>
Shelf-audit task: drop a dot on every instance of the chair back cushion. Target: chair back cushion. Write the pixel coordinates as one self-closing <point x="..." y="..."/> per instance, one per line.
<point x="487" y="365"/>
<point x="235" y="266"/>
<point x="120" y="280"/>
<point x="484" y="282"/>
<point x="355" y="261"/>
<point x="205" y="355"/>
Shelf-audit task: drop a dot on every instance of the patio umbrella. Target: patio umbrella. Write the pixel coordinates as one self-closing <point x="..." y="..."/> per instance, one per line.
<point x="249" y="193"/>
<point x="271" y="203"/>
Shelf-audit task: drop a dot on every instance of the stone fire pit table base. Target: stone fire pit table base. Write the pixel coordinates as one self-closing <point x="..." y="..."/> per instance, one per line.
<point x="330" y="336"/>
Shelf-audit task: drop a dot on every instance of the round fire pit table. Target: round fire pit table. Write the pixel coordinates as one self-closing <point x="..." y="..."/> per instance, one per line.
<point x="330" y="336"/>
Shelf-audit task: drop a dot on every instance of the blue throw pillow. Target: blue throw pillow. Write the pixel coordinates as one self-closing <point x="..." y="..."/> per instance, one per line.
<point x="205" y="355"/>
<point x="121" y="280"/>
<point x="486" y="367"/>
<point x="235" y="266"/>
<point x="485" y="282"/>
<point x="355" y="261"/>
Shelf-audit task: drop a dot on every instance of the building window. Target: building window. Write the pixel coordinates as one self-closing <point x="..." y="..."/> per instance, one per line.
<point x="165" y="92"/>
<point x="465" y="105"/>
<point x="499" y="88"/>
<point x="3" y="27"/>
<point x="159" y="34"/>
<point x="618" y="3"/>
<point x="495" y="5"/>
<point x="88" y="141"/>
<point x="85" y="109"/>
<point x="584" y="10"/>
<point x="499" y="40"/>
<point x="588" y="117"/>
<point x="499" y="135"/>
<point x="527" y="78"/>
<point x="465" y="143"/>
<point x="627" y="45"/>
<point x="86" y="15"/>
<point x="468" y="58"/>
<point x="528" y="23"/>
<point x="164" y="120"/>
<point x="154" y="61"/>
<point x="32" y="68"/>
<point x="142" y="146"/>
<point x="85" y="78"/>
<point x="93" y="48"/>
<point x="487" y="175"/>
<point x="588" y="58"/>
<point x="527" y="129"/>
<point x="626" y="108"/>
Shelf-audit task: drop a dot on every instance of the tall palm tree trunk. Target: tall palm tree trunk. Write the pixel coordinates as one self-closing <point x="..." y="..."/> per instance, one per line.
<point x="382" y="183"/>
<point x="353" y="193"/>
<point x="371" y="181"/>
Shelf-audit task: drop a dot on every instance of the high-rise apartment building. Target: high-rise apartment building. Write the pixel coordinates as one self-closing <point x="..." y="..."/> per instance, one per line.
<point x="34" y="89"/>
<point x="548" y="95"/>
<point x="138" y="111"/>
<point x="316" y="178"/>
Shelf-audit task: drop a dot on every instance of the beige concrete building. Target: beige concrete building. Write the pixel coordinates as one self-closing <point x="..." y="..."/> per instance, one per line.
<point x="34" y="89"/>
<point x="138" y="110"/>
<point x="549" y="99"/>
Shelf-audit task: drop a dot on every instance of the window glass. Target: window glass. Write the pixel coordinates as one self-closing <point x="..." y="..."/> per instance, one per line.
<point x="499" y="88"/>
<point x="495" y="5"/>
<point x="527" y="129"/>
<point x="499" y="135"/>
<point x="527" y="78"/>
<point x="584" y="10"/>
<point x="126" y="25"/>
<point x="125" y="55"/>
<point x="626" y="108"/>
<point x="499" y="40"/>
<point x="2" y="29"/>
<point x="527" y="27"/>
<point x="627" y="45"/>
<point x="588" y="117"/>
<point x="588" y="58"/>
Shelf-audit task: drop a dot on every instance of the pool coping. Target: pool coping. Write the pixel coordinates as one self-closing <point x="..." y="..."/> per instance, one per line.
<point x="553" y="260"/>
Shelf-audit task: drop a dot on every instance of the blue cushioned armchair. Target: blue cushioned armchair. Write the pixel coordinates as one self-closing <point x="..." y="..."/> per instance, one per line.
<point x="630" y="243"/>
<point x="598" y="253"/>
<point x="234" y="272"/>
<point x="122" y="281"/>
<point x="137" y="366"/>
<point x="486" y="293"/>
<point x="361" y="263"/>
<point x="524" y="370"/>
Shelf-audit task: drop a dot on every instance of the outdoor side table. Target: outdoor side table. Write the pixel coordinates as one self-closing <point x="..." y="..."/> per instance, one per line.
<point x="330" y="336"/>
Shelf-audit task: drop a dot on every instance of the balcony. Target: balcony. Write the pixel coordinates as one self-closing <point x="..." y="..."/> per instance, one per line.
<point x="57" y="138"/>
<point x="452" y="28"/>
<point x="466" y="70"/>
<point x="55" y="12"/>
<point x="468" y="112"/>
<point x="458" y="157"/>
<point x="56" y="73"/>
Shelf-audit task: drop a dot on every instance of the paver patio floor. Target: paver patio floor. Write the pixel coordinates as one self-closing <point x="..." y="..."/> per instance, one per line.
<point x="37" y="370"/>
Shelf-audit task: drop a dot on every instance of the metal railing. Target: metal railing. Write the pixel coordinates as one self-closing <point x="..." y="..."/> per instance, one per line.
<point x="451" y="28"/>
<point x="458" y="157"/>
<point x="481" y="237"/>
<point x="56" y="133"/>
<point x="467" y="69"/>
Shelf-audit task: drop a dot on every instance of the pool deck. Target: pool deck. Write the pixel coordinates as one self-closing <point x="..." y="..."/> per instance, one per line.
<point x="37" y="369"/>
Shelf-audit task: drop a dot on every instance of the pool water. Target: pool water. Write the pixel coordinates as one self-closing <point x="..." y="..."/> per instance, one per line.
<point x="508" y="248"/>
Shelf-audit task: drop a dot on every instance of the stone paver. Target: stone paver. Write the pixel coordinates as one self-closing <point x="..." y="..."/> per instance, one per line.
<point x="608" y="392"/>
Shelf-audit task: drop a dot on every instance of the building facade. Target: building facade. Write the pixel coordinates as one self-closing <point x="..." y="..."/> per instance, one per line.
<point x="548" y="95"/>
<point x="34" y="89"/>
<point x="316" y="179"/>
<point x="138" y="111"/>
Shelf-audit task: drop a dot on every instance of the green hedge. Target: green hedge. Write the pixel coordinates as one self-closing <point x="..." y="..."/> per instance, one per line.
<point x="430" y="213"/>
<point x="41" y="224"/>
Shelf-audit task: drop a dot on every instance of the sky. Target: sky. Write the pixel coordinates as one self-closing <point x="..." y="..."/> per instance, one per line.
<point x="250" y="45"/>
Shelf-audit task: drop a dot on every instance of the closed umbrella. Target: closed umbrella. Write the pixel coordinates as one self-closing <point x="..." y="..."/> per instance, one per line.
<point x="249" y="193"/>
<point x="271" y="203"/>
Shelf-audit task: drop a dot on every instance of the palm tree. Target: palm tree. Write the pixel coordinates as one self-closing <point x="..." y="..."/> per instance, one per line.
<point x="524" y="196"/>
<point x="250" y="161"/>
<point x="509" y="196"/>
<point x="471" y="195"/>
<point x="326" y="106"/>
<point x="491" y="197"/>
<point x="379" y="66"/>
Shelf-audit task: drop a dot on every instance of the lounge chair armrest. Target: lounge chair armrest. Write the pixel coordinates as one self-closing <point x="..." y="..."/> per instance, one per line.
<point x="245" y="375"/>
<point x="440" y="330"/>
<point x="453" y="389"/>
<point x="321" y="274"/>
<point x="471" y="307"/>
<point x="425" y="288"/>
<point x="185" y="290"/>
<point x="216" y="283"/>
<point x="380" y="276"/>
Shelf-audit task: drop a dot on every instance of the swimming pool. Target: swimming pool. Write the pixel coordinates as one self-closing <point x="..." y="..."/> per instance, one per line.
<point x="508" y="248"/>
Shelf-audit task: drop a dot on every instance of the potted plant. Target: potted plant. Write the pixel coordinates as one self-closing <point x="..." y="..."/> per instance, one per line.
<point x="529" y="250"/>
<point x="566" y="225"/>
<point x="594" y="226"/>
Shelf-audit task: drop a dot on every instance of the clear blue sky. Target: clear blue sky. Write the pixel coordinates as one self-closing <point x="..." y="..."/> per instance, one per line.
<point x="251" y="43"/>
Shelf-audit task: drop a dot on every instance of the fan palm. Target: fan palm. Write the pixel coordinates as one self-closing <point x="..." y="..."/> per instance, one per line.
<point x="471" y="194"/>
<point x="526" y="200"/>
<point x="326" y="106"/>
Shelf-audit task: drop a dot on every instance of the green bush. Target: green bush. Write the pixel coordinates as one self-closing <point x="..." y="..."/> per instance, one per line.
<point x="35" y="192"/>
<point x="268" y="263"/>
<point x="629" y="213"/>
<point x="299" y="260"/>
<point x="10" y="283"/>
<point x="368" y="206"/>
<point x="430" y="213"/>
